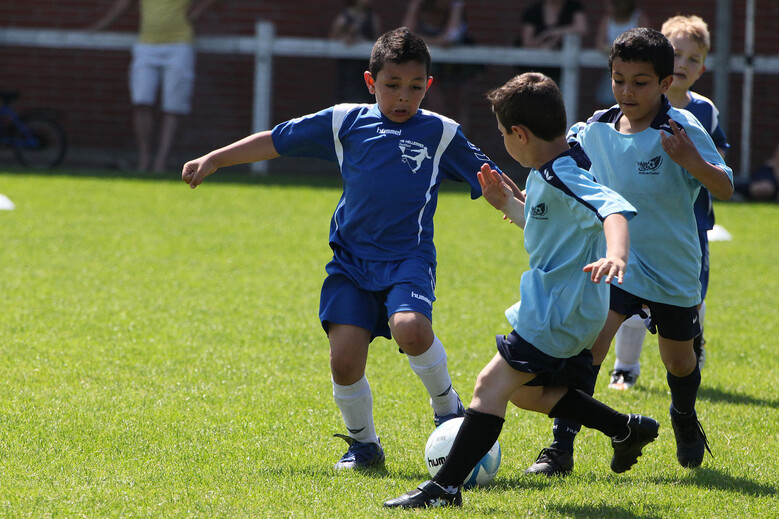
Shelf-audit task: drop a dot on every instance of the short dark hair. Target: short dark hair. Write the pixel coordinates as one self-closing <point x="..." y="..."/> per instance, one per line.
<point x="399" y="46"/>
<point x="532" y="100"/>
<point x="644" y="45"/>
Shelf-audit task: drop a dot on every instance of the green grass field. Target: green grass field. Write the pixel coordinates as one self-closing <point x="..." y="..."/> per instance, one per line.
<point x="161" y="356"/>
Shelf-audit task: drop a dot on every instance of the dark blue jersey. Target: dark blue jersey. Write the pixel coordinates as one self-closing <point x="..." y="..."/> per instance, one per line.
<point x="708" y="115"/>
<point x="391" y="174"/>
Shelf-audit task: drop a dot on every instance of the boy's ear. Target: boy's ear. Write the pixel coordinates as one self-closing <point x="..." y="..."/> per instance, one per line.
<point x="665" y="83"/>
<point x="521" y="132"/>
<point x="369" y="82"/>
<point x="429" y="82"/>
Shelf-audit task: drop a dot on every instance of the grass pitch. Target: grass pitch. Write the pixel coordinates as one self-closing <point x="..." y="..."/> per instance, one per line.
<point x="162" y="357"/>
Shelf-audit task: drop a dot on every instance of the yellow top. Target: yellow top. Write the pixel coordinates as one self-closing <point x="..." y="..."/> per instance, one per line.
<point x="165" y="21"/>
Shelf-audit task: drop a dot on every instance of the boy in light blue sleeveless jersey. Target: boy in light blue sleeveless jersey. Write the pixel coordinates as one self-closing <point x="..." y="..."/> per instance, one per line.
<point x="657" y="157"/>
<point x="573" y="226"/>
<point x="381" y="280"/>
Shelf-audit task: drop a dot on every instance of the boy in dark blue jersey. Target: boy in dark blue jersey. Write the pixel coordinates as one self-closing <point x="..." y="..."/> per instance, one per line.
<point x="572" y="226"/>
<point x="658" y="158"/>
<point x="691" y="41"/>
<point x="381" y="279"/>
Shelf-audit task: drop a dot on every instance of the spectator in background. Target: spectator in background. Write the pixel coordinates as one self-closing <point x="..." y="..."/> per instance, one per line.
<point x="164" y="54"/>
<point x="621" y="15"/>
<point x="545" y="23"/>
<point x="355" y="24"/>
<point x="443" y="23"/>
<point x="763" y="184"/>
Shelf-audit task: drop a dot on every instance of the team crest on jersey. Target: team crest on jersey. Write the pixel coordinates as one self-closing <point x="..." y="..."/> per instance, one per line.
<point x="538" y="211"/>
<point x="650" y="167"/>
<point x="413" y="154"/>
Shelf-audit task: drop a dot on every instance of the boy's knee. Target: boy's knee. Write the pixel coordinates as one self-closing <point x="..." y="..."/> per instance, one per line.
<point x="345" y="369"/>
<point x="413" y="332"/>
<point x="681" y="366"/>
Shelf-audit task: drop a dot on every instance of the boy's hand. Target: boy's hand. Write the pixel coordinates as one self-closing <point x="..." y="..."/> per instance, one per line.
<point x="609" y="267"/>
<point x="680" y="147"/>
<point x="196" y="170"/>
<point x="494" y="189"/>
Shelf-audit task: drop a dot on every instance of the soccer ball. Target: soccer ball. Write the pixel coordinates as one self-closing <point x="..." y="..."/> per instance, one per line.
<point x="440" y="443"/>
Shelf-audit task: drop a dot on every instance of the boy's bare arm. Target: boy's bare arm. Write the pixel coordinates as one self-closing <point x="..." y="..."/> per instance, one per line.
<point x="615" y="227"/>
<point x="254" y="148"/>
<point x="682" y="150"/>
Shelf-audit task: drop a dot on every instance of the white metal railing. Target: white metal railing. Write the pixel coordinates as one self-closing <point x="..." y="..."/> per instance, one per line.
<point x="264" y="45"/>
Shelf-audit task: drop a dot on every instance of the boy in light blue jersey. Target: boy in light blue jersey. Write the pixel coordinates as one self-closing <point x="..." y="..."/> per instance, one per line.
<point x="570" y="222"/>
<point x="657" y="157"/>
<point x="381" y="280"/>
<point x="689" y="36"/>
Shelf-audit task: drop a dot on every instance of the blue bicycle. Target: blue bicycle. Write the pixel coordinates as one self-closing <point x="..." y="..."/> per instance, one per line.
<point x="36" y="137"/>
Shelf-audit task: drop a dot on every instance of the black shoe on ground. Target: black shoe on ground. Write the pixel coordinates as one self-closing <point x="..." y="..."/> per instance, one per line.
<point x="552" y="462"/>
<point x="690" y="439"/>
<point x="643" y="430"/>
<point x="427" y="495"/>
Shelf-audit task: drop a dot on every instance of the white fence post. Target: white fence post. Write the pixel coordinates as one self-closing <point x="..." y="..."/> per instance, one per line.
<point x="569" y="77"/>
<point x="265" y="34"/>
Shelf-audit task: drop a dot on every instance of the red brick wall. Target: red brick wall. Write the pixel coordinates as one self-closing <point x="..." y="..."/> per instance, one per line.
<point x="89" y="88"/>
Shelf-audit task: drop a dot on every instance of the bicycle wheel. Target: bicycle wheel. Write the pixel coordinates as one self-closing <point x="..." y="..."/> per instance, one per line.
<point x="46" y="148"/>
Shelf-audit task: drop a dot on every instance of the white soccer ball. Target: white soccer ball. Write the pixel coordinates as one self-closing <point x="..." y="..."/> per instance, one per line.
<point x="440" y="443"/>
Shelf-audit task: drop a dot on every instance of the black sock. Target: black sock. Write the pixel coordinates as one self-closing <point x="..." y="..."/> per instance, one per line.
<point x="580" y="407"/>
<point x="565" y="431"/>
<point x="475" y="438"/>
<point x="684" y="390"/>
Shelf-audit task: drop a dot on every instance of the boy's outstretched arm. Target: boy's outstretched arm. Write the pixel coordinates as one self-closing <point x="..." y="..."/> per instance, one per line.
<point x="615" y="227"/>
<point x="501" y="195"/>
<point x="253" y="148"/>
<point x="682" y="150"/>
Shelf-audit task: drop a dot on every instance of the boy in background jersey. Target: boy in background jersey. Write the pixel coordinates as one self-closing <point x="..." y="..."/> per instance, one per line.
<point x="691" y="41"/>
<point x="381" y="280"/>
<point x="658" y="158"/>
<point x="572" y="225"/>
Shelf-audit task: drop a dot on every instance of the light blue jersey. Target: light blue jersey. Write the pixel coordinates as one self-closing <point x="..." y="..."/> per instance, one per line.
<point x="561" y="311"/>
<point x="391" y="174"/>
<point x="665" y="254"/>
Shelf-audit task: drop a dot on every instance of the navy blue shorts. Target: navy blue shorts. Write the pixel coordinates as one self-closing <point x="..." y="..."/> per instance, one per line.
<point x="703" y="237"/>
<point x="677" y="323"/>
<point x="365" y="293"/>
<point x="574" y="372"/>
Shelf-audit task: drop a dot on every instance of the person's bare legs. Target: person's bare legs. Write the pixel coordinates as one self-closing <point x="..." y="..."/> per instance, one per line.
<point x="143" y="124"/>
<point x="167" y="133"/>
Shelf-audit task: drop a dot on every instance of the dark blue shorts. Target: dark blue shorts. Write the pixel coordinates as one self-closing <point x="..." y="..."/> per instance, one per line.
<point x="365" y="293"/>
<point x="574" y="372"/>
<point x="677" y="323"/>
<point x="703" y="237"/>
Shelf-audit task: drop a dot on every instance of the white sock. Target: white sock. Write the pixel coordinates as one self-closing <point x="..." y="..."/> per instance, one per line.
<point x="628" y="344"/>
<point x="702" y="313"/>
<point x="431" y="368"/>
<point x="356" y="405"/>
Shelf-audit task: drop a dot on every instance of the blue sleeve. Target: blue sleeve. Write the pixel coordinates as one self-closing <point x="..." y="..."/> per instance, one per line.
<point x="462" y="160"/>
<point x="307" y="136"/>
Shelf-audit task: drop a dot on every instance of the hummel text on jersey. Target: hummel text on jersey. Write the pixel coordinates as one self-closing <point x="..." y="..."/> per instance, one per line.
<point x="388" y="130"/>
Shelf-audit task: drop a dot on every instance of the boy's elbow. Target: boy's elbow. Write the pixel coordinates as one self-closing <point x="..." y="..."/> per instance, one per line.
<point x="725" y="193"/>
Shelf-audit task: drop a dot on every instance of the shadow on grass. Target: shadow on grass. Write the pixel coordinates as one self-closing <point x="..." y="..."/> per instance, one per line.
<point x="710" y="479"/>
<point x="600" y="511"/>
<point x="715" y="394"/>
<point x="718" y="395"/>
